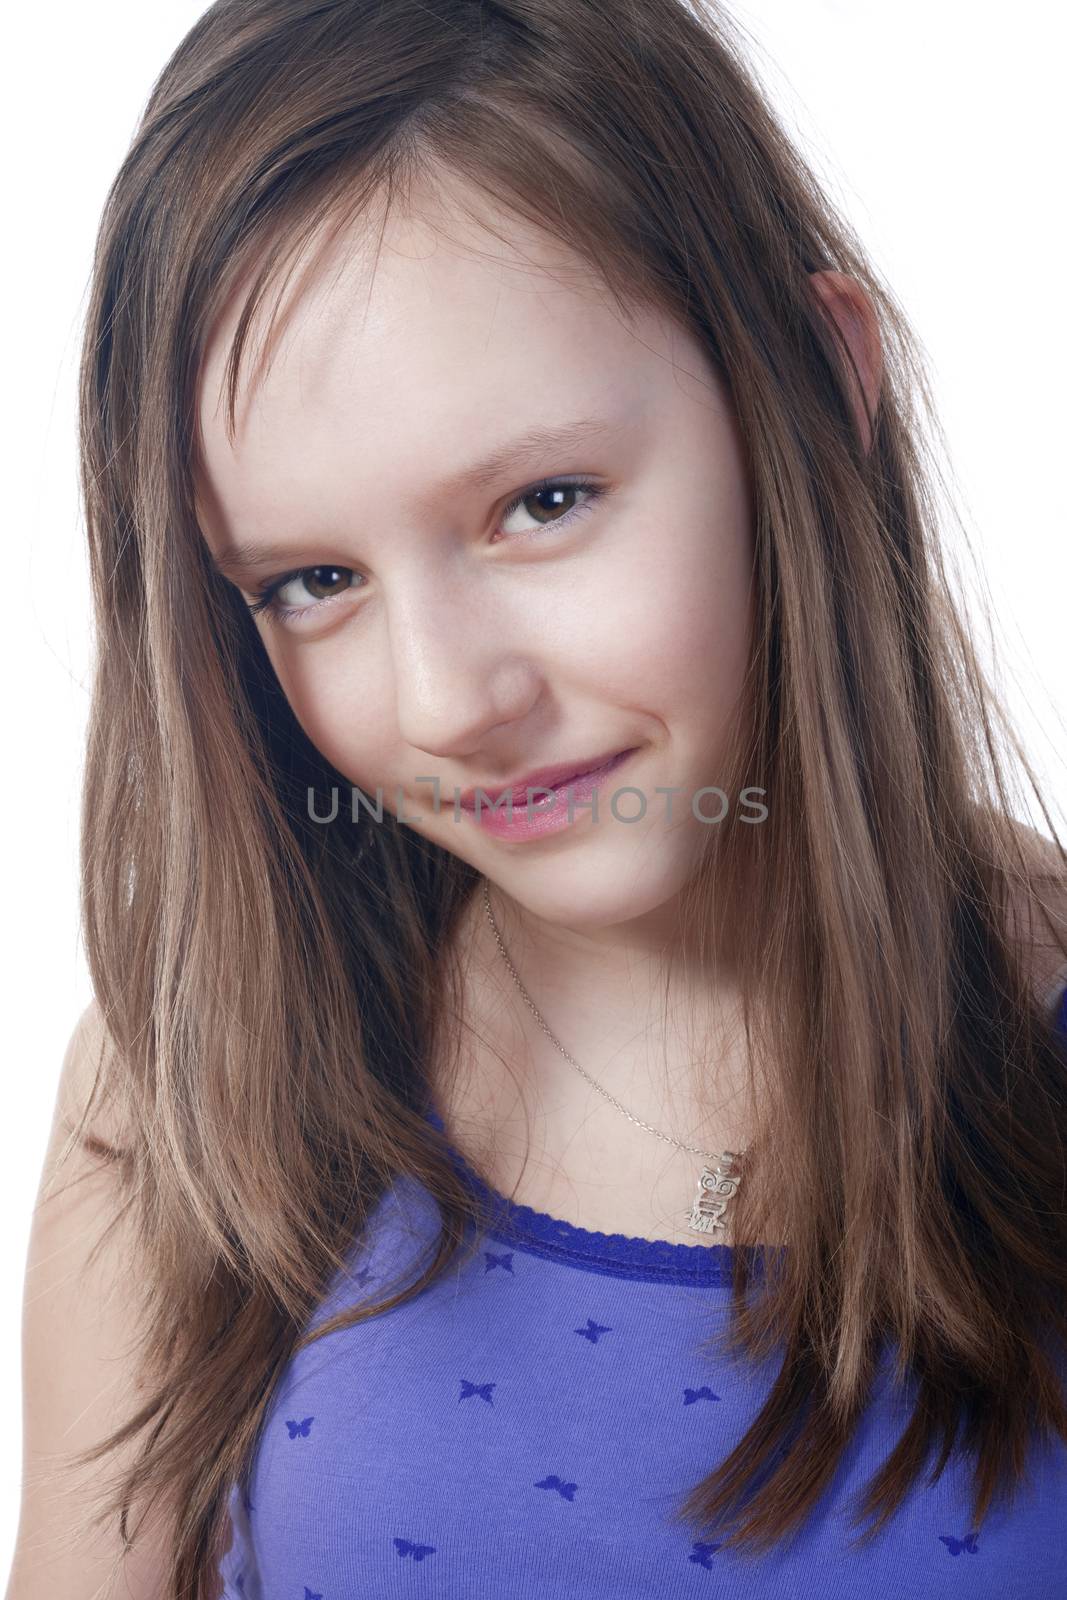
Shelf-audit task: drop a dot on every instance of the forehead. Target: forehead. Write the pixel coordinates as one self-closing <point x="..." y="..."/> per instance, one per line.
<point x="400" y="344"/>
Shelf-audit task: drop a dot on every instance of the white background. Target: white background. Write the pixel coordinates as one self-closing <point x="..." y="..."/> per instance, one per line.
<point x="934" y="127"/>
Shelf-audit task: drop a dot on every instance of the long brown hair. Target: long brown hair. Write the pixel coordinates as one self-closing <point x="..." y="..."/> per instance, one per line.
<point x="273" y="1083"/>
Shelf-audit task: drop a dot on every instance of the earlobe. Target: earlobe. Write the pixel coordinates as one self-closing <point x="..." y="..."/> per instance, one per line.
<point x="848" y="303"/>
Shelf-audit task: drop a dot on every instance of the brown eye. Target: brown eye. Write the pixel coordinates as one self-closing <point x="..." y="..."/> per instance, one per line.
<point x="320" y="582"/>
<point x="553" y="504"/>
<point x="282" y="597"/>
<point x="555" y="499"/>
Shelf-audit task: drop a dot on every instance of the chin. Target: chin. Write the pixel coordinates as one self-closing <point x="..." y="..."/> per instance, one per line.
<point x="584" y="888"/>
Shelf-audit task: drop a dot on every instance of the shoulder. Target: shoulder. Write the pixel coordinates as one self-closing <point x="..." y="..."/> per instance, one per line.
<point x="87" y="1045"/>
<point x="89" y="1087"/>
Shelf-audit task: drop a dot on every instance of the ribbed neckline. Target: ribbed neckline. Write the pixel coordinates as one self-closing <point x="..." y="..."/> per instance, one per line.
<point x="616" y="1255"/>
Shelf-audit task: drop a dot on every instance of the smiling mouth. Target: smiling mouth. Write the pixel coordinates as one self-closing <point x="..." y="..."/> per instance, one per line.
<point x="519" y="792"/>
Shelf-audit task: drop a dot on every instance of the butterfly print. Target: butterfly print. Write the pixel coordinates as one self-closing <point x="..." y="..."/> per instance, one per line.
<point x="969" y="1542"/>
<point x="702" y="1553"/>
<point x="404" y="1547"/>
<point x="299" y="1429"/>
<point x="565" y="1489"/>
<point x="484" y="1389"/>
<point x="698" y="1394"/>
<point x="592" y="1330"/>
<point x="493" y="1260"/>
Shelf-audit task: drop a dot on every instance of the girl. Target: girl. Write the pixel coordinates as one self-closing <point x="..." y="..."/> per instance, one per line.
<point x="574" y="1095"/>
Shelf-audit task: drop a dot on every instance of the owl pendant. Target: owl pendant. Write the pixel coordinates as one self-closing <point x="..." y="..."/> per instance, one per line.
<point x="716" y="1187"/>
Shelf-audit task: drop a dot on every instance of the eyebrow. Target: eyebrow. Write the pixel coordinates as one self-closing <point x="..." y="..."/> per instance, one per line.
<point x="510" y="456"/>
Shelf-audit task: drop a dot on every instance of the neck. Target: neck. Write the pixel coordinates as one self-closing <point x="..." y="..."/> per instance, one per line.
<point x="654" y="1025"/>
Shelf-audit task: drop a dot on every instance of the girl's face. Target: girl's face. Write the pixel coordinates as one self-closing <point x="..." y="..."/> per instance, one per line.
<point x="442" y="618"/>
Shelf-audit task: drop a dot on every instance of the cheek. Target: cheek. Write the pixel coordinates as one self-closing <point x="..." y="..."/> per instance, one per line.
<point x="668" y="625"/>
<point x="701" y="658"/>
<point x="697" y="637"/>
<point x="349" y="729"/>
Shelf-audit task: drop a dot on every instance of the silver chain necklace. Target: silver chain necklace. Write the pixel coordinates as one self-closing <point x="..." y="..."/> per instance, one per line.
<point x="718" y="1182"/>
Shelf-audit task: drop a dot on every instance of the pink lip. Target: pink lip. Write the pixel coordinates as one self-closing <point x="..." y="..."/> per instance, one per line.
<point x="550" y="812"/>
<point x="540" y="778"/>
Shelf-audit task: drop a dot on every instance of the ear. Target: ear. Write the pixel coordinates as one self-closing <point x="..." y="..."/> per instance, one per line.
<point x="849" y="304"/>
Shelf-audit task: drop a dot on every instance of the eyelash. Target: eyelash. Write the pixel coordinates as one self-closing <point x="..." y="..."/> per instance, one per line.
<point x="266" y="602"/>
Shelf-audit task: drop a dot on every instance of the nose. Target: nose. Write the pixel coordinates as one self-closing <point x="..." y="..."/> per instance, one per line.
<point x="459" y="671"/>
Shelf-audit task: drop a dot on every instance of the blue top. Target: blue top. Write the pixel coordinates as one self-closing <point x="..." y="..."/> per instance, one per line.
<point x="526" y="1427"/>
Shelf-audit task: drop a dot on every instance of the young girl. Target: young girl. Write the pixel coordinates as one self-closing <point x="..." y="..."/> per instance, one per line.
<point x="575" y="1097"/>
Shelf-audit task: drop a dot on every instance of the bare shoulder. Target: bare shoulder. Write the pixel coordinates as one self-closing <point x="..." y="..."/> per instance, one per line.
<point x="79" y="1370"/>
<point x="89" y="1057"/>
